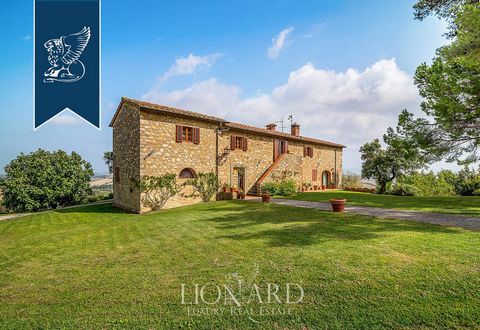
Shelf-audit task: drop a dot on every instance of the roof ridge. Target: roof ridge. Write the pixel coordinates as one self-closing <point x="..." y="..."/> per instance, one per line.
<point x="198" y="115"/>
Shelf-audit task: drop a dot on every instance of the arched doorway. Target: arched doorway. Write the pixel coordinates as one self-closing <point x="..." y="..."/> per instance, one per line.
<point x="326" y="178"/>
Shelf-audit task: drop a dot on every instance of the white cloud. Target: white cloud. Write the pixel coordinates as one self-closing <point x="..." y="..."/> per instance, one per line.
<point x="349" y="107"/>
<point x="279" y="42"/>
<point x="189" y="65"/>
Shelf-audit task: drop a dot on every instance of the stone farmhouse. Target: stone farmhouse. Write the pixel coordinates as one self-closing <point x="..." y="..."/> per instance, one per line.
<point x="152" y="139"/>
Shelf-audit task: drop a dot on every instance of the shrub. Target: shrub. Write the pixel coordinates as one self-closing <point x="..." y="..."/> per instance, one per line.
<point x="467" y="182"/>
<point x="157" y="190"/>
<point x="43" y="180"/>
<point x="430" y="184"/>
<point x="402" y="189"/>
<point x="205" y="185"/>
<point x="281" y="188"/>
<point x="351" y="180"/>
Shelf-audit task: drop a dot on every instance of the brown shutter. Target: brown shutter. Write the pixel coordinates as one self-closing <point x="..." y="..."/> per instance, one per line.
<point x="314" y="175"/>
<point x="245" y="144"/>
<point x="311" y="152"/>
<point x="196" y="135"/>
<point x="232" y="142"/>
<point x="304" y="151"/>
<point x="179" y="133"/>
<point x="285" y="147"/>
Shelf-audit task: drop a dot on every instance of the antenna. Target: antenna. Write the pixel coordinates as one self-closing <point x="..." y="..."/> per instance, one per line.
<point x="281" y="124"/>
<point x="290" y="118"/>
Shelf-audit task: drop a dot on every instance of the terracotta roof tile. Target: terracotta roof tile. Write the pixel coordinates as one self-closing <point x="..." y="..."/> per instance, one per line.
<point x="163" y="108"/>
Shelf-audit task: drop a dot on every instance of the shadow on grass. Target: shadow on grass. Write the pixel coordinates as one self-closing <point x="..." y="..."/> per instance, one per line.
<point x="100" y="208"/>
<point x="290" y="226"/>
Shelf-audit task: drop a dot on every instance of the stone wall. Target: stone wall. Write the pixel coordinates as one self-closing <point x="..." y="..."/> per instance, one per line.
<point x="126" y="162"/>
<point x="145" y="144"/>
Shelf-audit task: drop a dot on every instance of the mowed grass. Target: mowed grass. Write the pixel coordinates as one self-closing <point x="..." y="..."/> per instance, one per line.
<point x="468" y="205"/>
<point x="96" y="267"/>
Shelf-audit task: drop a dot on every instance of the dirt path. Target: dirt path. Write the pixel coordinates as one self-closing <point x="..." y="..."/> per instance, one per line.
<point x="462" y="221"/>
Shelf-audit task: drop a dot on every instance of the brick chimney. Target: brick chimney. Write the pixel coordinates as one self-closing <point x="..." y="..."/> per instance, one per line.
<point x="295" y="129"/>
<point x="271" y="126"/>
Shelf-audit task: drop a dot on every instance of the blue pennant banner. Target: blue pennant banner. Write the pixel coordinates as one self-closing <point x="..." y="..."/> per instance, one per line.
<point x="67" y="59"/>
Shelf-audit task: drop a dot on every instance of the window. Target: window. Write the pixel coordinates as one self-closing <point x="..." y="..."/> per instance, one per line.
<point x="307" y="152"/>
<point x="187" y="134"/>
<point x="187" y="173"/>
<point x="314" y="175"/>
<point x="238" y="142"/>
<point x="116" y="175"/>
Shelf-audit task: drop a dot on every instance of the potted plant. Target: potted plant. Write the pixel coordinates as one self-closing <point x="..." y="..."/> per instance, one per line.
<point x="324" y="187"/>
<point x="232" y="189"/>
<point x="266" y="196"/>
<point x="225" y="187"/>
<point x="240" y="194"/>
<point x="338" y="204"/>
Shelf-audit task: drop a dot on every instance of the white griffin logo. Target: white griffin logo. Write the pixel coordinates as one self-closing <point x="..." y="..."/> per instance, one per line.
<point x="64" y="54"/>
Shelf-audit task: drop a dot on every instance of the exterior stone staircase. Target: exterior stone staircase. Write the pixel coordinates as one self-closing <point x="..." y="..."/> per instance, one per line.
<point x="256" y="190"/>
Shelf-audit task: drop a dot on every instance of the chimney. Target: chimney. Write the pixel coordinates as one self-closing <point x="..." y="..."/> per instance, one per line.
<point x="271" y="126"/>
<point x="295" y="129"/>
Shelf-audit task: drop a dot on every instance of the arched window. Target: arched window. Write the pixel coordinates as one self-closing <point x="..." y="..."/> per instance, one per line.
<point x="187" y="173"/>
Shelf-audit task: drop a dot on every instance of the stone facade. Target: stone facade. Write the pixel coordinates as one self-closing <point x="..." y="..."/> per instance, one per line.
<point x="144" y="143"/>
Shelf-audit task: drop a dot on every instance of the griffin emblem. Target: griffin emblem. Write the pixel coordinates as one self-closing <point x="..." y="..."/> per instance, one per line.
<point x="64" y="54"/>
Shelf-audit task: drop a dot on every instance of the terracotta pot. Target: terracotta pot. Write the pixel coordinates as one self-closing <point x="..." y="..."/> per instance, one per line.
<point x="324" y="187"/>
<point x="242" y="196"/>
<point x="338" y="205"/>
<point x="232" y="189"/>
<point x="266" y="198"/>
<point x="224" y="189"/>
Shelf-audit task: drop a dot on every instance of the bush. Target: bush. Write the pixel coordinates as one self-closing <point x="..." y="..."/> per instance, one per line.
<point x="430" y="184"/>
<point x="204" y="185"/>
<point x="351" y="180"/>
<point x="402" y="189"/>
<point x="281" y="188"/>
<point x="467" y="182"/>
<point x="43" y="180"/>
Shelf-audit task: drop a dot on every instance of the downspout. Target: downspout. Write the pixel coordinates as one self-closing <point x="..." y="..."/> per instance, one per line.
<point x="336" y="173"/>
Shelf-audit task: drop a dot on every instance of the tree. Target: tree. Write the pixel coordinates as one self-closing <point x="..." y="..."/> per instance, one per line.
<point x="43" y="180"/>
<point x="157" y="190"/>
<point x="205" y="185"/>
<point x="108" y="158"/>
<point x="384" y="165"/>
<point x="450" y="87"/>
<point x="444" y="9"/>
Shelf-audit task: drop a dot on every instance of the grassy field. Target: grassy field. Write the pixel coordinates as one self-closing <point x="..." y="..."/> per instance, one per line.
<point x="469" y="205"/>
<point x="96" y="267"/>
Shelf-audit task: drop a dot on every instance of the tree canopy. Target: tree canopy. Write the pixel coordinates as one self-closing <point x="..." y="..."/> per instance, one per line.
<point x="43" y="180"/>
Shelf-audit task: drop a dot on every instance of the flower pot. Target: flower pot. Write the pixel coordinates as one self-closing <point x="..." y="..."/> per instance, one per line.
<point x="266" y="198"/>
<point x="232" y="190"/>
<point x="224" y="189"/>
<point x="324" y="187"/>
<point x="338" y="205"/>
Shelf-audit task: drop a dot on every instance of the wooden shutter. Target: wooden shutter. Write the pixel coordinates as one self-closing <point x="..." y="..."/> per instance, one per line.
<point x="245" y="144"/>
<point x="311" y="152"/>
<point x="196" y="135"/>
<point x="314" y="175"/>
<point x="285" y="147"/>
<point x="232" y="142"/>
<point x="179" y="133"/>
<point x="304" y="151"/>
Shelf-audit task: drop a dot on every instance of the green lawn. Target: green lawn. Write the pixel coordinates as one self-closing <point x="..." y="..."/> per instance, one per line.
<point x="460" y="205"/>
<point x="96" y="267"/>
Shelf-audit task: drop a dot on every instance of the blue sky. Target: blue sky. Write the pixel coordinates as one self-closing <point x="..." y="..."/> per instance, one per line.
<point x="342" y="68"/>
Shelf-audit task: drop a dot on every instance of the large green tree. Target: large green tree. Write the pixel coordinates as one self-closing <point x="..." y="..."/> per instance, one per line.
<point x="400" y="156"/>
<point x="450" y="88"/>
<point x="43" y="180"/>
